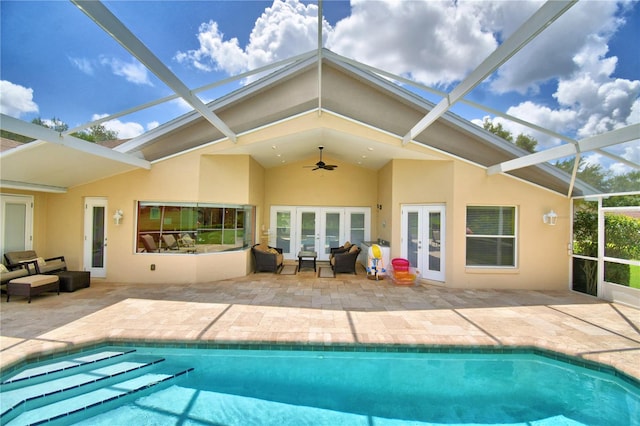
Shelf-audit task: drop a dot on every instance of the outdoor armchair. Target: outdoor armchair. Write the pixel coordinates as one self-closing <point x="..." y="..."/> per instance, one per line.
<point x="40" y="266"/>
<point x="344" y="260"/>
<point x="267" y="259"/>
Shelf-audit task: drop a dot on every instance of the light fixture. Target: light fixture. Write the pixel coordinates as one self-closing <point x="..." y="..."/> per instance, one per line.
<point x="550" y="218"/>
<point x="117" y="217"/>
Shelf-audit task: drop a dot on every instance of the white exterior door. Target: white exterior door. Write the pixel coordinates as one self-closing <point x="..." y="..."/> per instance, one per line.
<point x="95" y="237"/>
<point x="295" y="228"/>
<point x="423" y="239"/>
<point x="331" y="230"/>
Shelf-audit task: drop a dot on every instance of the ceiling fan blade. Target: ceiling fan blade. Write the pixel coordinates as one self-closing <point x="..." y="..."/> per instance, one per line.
<point x="329" y="167"/>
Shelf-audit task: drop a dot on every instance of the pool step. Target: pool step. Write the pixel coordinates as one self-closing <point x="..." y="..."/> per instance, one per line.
<point x="94" y="399"/>
<point x="64" y="365"/>
<point x="54" y="391"/>
<point x="31" y="394"/>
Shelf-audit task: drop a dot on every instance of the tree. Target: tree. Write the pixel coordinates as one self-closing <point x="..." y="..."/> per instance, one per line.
<point x="625" y="183"/>
<point x="55" y="124"/>
<point x="96" y="133"/>
<point x="591" y="174"/>
<point x="526" y="142"/>
<point x="99" y="133"/>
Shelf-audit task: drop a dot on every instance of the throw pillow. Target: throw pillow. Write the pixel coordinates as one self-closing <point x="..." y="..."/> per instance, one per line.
<point x="347" y="245"/>
<point x="3" y="268"/>
<point x="353" y="249"/>
<point x="41" y="261"/>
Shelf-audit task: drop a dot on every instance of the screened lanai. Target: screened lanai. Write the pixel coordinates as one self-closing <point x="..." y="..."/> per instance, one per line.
<point x="55" y="161"/>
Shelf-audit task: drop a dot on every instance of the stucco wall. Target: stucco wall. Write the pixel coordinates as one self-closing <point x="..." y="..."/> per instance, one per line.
<point x="294" y="184"/>
<point x="543" y="260"/>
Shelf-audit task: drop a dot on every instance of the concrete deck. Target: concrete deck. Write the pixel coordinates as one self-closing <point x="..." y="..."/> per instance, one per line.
<point x="304" y="309"/>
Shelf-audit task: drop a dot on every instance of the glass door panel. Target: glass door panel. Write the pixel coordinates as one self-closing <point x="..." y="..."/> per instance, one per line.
<point x="309" y="235"/>
<point x="414" y="244"/>
<point x="17" y="215"/>
<point x="95" y="237"/>
<point x="98" y="237"/>
<point x="283" y="231"/>
<point x="434" y="241"/>
<point x="332" y="229"/>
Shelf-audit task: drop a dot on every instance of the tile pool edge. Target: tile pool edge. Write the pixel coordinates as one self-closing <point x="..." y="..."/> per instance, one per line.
<point x="312" y="347"/>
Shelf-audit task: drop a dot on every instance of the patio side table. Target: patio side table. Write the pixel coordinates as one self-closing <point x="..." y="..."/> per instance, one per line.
<point x="307" y="259"/>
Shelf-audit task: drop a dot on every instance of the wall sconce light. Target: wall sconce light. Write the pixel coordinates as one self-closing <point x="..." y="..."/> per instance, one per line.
<point x="550" y="218"/>
<point x="379" y="206"/>
<point x="117" y="217"/>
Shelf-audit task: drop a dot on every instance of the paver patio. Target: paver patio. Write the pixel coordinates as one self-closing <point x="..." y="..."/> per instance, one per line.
<point x="304" y="309"/>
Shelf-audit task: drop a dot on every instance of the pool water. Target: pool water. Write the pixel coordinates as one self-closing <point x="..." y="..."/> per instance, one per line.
<point x="264" y="387"/>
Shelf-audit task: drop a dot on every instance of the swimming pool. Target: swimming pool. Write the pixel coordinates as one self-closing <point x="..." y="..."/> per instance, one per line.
<point x="300" y="387"/>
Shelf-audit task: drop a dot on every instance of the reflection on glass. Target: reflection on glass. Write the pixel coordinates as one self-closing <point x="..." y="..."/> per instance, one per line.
<point x="491" y="236"/>
<point x="332" y="231"/>
<point x="434" y="241"/>
<point x="412" y="238"/>
<point x="283" y="231"/>
<point x="357" y="232"/>
<point x="97" y="256"/>
<point x="195" y="228"/>
<point x="308" y="237"/>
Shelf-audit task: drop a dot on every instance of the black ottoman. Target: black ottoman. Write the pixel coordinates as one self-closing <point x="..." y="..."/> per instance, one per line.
<point x="73" y="280"/>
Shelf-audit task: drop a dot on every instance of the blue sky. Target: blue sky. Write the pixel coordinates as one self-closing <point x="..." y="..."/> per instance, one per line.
<point x="580" y="77"/>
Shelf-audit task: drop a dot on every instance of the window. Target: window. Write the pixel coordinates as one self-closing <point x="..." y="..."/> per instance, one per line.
<point x="193" y="227"/>
<point x="491" y="236"/>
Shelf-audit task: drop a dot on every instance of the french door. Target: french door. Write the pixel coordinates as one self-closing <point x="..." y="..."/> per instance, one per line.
<point x="95" y="237"/>
<point x="295" y="229"/>
<point x="319" y="229"/>
<point x="423" y="239"/>
<point x="17" y="223"/>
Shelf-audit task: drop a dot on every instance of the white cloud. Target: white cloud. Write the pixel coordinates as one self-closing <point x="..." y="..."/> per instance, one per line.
<point x="126" y="130"/>
<point x="152" y="125"/>
<point x="285" y="29"/>
<point x="552" y="54"/>
<point x="434" y="42"/>
<point x="16" y="100"/>
<point x="133" y="71"/>
<point x="83" y="64"/>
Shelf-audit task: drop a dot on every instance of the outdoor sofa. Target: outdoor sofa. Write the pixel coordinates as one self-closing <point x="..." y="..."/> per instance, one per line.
<point x="41" y="265"/>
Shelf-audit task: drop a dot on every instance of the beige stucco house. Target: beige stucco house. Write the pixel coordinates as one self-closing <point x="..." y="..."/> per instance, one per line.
<point x="489" y="228"/>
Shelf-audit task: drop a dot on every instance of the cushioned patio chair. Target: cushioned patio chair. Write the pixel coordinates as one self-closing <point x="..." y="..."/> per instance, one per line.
<point x="267" y="259"/>
<point x="170" y="242"/>
<point x="41" y="266"/>
<point x="344" y="261"/>
<point x="149" y="243"/>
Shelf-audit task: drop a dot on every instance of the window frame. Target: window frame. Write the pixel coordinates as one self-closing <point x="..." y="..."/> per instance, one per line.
<point x="513" y="237"/>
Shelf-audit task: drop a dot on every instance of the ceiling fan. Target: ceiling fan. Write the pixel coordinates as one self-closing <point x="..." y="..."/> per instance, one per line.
<point x="321" y="164"/>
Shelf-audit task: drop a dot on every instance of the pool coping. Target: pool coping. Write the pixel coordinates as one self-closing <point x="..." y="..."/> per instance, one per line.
<point x="314" y="347"/>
